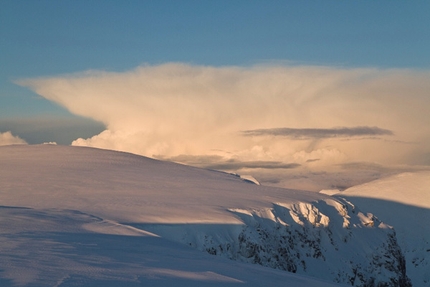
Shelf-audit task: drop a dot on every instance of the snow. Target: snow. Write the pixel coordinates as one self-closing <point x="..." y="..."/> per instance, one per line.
<point x="63" y="212"/>
<point x="76" y="216"/>
<point x="49" y="248"/>
<point x="402" y="201"/>
<point x="406" y="188"/>
<point x="249" y="178"/>
<point x="127" y="188"/>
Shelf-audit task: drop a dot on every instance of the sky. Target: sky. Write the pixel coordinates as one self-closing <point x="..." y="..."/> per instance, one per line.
<point x="302" y="94"/>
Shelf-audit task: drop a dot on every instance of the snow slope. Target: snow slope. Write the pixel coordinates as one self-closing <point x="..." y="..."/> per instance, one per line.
<point x="402" y="201"/>
<point x="53" y="248"/>
<point x="73" y="216"/>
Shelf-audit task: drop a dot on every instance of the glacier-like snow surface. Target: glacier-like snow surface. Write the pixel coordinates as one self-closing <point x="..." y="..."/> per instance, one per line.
<point x="73" y="216"/>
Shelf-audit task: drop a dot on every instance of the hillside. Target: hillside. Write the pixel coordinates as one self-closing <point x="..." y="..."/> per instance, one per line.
<point x="402" y="201"/>
<point x="74" y="216"/>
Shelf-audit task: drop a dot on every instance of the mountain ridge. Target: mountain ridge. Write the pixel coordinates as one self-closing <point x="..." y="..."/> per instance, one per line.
<point x="128" y="195"/>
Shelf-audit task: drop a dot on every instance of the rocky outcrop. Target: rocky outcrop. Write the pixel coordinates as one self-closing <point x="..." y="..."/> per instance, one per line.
<point x="328" y="239"/>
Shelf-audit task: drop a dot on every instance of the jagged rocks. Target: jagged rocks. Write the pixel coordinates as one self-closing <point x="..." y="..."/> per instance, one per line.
<point x="328" y="239"/>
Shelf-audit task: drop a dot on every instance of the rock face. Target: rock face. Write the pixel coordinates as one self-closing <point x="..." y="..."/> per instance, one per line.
<point x="328" y="239"/>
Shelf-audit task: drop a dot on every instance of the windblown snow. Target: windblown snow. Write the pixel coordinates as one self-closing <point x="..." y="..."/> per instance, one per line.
<point x="74" y="216"/>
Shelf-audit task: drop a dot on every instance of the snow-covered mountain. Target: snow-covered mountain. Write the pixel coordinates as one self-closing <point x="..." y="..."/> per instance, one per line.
<point x="402" y="201"/>
<point x="74" y="216"/>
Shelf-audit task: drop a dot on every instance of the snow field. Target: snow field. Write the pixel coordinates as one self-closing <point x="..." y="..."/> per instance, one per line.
<point x="74" y="216"/>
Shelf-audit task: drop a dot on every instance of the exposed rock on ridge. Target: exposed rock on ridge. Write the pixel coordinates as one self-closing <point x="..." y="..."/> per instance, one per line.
<point x="328" y="239"/>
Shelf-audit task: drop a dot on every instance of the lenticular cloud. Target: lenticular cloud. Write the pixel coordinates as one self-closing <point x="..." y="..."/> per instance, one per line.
<point x="176" y="109"/>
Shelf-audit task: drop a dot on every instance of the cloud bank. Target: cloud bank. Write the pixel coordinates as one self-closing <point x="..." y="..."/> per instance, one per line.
<point x="7" y="138"/>
<point x="320" y="133"/>
<point x="308" y="116"/>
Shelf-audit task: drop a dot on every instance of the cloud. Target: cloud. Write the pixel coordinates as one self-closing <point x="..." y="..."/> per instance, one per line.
<point x="7" y="138"/>
<point x="238" y="165"/>
<point x="175" y="109"/>
<point x="219" y="163"/>
<point x="310" y="133"/>
<point x="62" y="130"/>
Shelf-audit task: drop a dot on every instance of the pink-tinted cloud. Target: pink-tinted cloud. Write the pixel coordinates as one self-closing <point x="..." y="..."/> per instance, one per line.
<point x="175" y="109"/>
<point x="7" y="138"/>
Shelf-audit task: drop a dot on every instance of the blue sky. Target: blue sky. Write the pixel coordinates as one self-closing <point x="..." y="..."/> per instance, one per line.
<point x="51" y="37"/>
<point x="40" y="38"/>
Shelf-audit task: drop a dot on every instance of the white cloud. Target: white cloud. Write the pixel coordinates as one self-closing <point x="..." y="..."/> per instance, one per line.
<point x="59" y="129"/>
<point x="177" y="109"/>
<point x="7" y="138"/>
